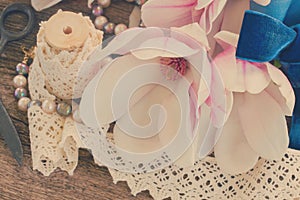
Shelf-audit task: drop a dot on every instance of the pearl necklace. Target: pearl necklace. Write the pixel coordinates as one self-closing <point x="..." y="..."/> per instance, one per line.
<point x="21" y="94"/>
<point x="101" y="22"/>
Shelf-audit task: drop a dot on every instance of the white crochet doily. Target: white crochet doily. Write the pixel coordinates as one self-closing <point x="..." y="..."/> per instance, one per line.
<point x="268" y="180"/>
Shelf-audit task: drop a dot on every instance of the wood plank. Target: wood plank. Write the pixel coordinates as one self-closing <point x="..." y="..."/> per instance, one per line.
<point x="89" y="180"/>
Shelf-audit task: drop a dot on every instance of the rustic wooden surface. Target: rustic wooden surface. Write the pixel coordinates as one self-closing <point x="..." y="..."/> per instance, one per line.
<point x="89" y="181"/>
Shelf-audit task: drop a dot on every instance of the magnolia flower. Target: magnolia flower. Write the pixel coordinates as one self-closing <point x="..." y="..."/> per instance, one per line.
<point x="176" y="13"/>
<point x="256" y="126"/>
<point x="169" y="68"/>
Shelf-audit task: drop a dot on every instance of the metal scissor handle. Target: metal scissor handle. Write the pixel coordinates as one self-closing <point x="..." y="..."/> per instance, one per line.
<point x="7" y="36"/>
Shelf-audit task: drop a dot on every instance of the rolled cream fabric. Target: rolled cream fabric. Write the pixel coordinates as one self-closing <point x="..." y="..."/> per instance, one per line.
<point x="64" y="42"/>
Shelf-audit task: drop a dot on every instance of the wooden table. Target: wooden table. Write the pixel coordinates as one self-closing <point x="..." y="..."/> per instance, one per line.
<point x="89" y="181"/>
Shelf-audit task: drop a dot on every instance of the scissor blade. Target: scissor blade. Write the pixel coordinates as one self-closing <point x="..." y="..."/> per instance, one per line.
<point x="10" y="135"/>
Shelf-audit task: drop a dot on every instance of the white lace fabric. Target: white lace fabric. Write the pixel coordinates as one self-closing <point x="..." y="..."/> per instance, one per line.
<point x="205" y="180"/>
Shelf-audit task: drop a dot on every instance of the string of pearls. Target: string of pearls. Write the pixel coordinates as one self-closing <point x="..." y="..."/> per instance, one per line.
<point x="101" y="22"/>
<point x="22" y="95"/>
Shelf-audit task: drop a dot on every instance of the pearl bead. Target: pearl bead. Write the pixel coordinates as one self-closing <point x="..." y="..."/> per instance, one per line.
<point x="20" y="92"/>
<point x="104" y="3"/>
<point x="23" y="103"/>
<point x="34" y="103"/>
<point x="140" y="2"/>
<point x="19" y="81"/>
<point x="100" y="21"/>
<point x="76" y="116"/>
<point x="120" y="28"/>
<point x="97" y="10"/>
<point x="48" y="106"/>
<point x="22" y="69"/>
<point x="109" y="28"/>
<point x="64" y="109"/>
<point x="142" y="24"/>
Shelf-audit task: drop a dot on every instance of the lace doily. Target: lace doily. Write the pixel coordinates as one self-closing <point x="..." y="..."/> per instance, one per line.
<point x="268" y="180"/>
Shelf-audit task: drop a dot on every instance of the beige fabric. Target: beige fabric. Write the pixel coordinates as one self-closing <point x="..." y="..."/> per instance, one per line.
<point x="53" y="74"/>
<point x="60" y="66"/>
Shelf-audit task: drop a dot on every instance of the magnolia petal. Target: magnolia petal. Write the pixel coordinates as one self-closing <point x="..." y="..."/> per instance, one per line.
<point x="106" y="84"/>
<point x="232" y="151"/>
<point x="133" y="144"/>
<point x="146" y="54"/>
<point x="194" y="31"/>
<point x="206" y="132"/>
<point x="285" y="89"/>
<point x="169" y="13"/>
<point x="264" y="124"/>
<point x="157" y="96"/>
<point x="218" y="99"/>
<point x="210" y="13"/>
<point x="256" y="77"/>
<point x="39" y="5"/>
<point x="229" y="103"/>
<point x="203" y="3"/>
<point x="162" y="47"/>
<point x="227" y="39"/>
<point x="263" y="2"/>
<point x="231" y="73"/>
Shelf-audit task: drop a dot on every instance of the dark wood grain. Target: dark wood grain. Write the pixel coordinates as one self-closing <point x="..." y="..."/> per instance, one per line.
<point x="89" y="181"/>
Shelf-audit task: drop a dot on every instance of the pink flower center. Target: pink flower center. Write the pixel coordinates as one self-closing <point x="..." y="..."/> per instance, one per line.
<point x="172" y="67"/>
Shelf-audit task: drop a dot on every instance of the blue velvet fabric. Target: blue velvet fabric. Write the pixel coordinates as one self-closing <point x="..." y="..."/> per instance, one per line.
<point x="295" y="124"/>
<point x="293" y="14"/>
<point x="276" y="9"/>
<point x="292" y="53"/>
<point x="262" y="37"/>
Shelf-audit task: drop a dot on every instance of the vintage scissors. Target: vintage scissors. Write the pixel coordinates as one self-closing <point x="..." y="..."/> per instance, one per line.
<point x="8" y="36"/>
<point x="10" y="134"/>
<point x="7" y="128"/>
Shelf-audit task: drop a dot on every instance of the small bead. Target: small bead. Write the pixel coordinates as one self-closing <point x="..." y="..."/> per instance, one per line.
<point x="76" y="116"/>
<point x="140" y="2"/>
<point x="100" y="21"/>
<point x="142" y="24"/>
<point x="48" y="106"/>
<point x="34" y="103"/>
<point x="22" y="69"/>
<point x="23" y="103"/>
<point x="20" y="92"/>
<point x="97" y="10"/>
<point x="104" y="3"/>
<point x="19" y="81"/>
<point x="109" y="28"/>
<point x="120" y="28"/>
<point x="64" y="109"/>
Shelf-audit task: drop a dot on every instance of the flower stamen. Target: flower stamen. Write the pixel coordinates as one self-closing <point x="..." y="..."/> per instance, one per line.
<point x="172" y="67"/>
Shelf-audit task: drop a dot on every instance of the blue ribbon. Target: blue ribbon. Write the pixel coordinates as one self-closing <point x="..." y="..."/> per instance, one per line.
<point x="272" y="32"/>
